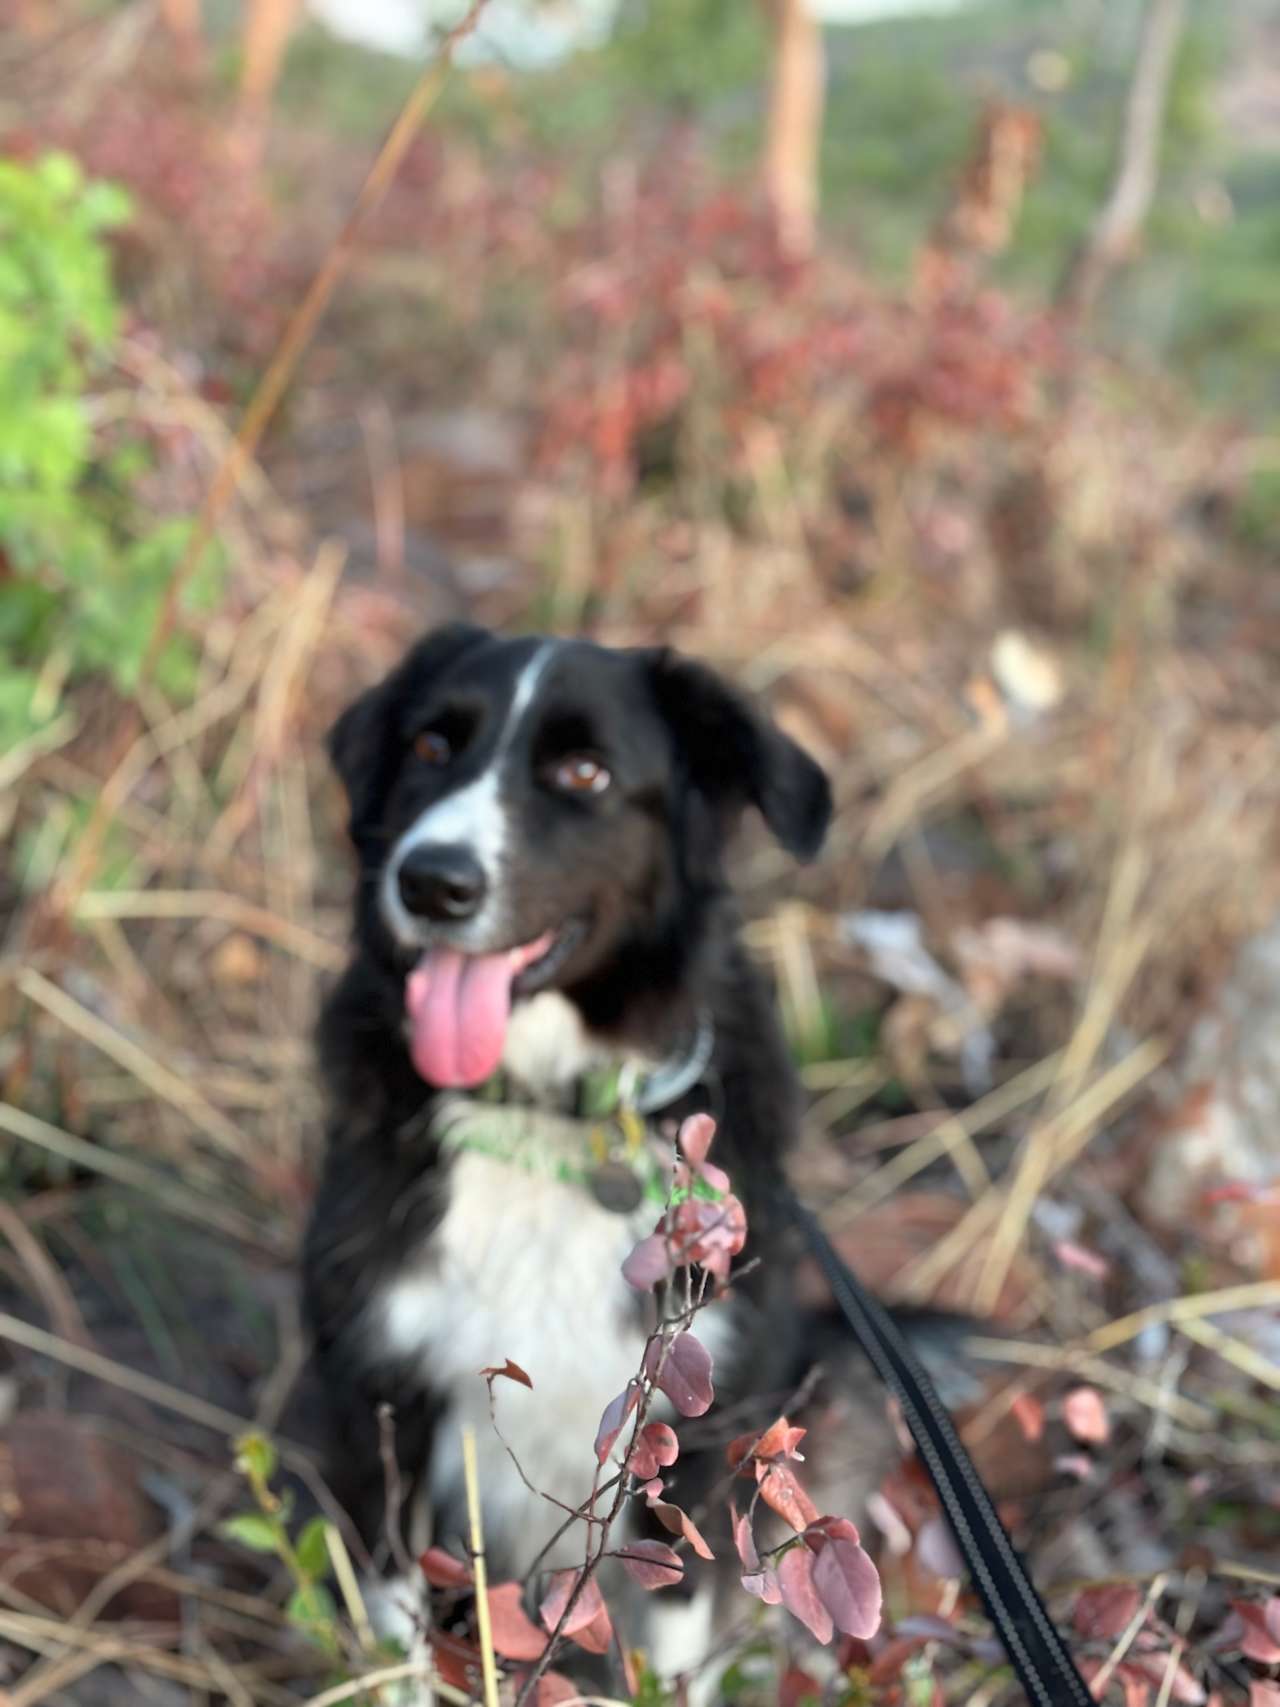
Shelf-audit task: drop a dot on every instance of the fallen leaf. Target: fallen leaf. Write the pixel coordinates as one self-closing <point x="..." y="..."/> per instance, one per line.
<point x="1028" y="1413"/>
<point x="1258" y="1642"/>
<point x="457" y="1662"/>
<point x="882" y="1512"/>
<point x="442" y="1570"/>
<point x="1104" y="1612"/>
<point x="936" y="1550"/>
<point x="1086" y="1416"/>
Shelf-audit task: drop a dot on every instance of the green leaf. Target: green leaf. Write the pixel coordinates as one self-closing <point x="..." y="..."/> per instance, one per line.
<point x="312" y="1549"/>
<point x="259" y="1534"/>
<point x="312" y="1608"/>
<point x="256" y="1456"/>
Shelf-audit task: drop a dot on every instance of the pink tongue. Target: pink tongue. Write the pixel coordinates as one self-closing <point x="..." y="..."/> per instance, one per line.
<point x="458" y="1006"/>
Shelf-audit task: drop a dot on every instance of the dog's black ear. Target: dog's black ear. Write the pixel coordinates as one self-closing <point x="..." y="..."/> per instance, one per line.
<point x="737" y="755"/>
<point x="364" y="744"/>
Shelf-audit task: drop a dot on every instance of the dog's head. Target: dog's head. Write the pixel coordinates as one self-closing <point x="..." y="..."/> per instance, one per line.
<point x="531" y="813"/>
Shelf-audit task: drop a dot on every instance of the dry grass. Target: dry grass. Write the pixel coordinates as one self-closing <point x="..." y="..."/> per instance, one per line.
<point x="155" y="1065"/>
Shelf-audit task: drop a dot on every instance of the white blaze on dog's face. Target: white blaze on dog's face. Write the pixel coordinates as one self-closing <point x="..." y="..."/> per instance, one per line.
<point x="530" y="813"/>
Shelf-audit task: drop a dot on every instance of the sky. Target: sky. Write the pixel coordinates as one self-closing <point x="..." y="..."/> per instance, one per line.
<point x="513" y="31"/>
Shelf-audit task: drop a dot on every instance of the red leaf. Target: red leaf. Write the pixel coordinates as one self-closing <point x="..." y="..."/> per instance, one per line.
<point x="800" y="1596"/>
<point x="847" y="1584"/>
<point x="597" y="1636"/>
<point x="648" y="1263"/>
<point x="680" y="1523"/>
<point x="1028" y="1413"/>
<point x="651" y="1563"/>
<point x="510" y="1371"/>
<point x="1258" y="1643"/>
<point x="588" y="1623"/>
<point x="1086" y="1416"/>
<point x="515" y="1636"/>
<point x="764" y="1586"/>
<point x="780" y="1489"/>
<point x="779" y="1440"/>
<point x="654" y="1450"/>
<point x="797" y="1687"/>
<point x="695" y="1135"/>
<point x="615" y="1414"/>
<point x="555" y="1690"/>
<point x="936" y="1550"/>
<point x="1182" y="1686"/>
<point x="829" y="1528"/>
<point x="1106" y="1611"/>
<point x="457" y="1662"/>
<point x="745" y="1541"/>
<point x="685" y="1375"/>
<point x="442" y="1570"/>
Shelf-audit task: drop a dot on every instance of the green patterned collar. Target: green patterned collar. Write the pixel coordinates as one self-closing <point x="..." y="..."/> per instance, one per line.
<point x="623" y="1087"/>
<point x="599" y="1138"/>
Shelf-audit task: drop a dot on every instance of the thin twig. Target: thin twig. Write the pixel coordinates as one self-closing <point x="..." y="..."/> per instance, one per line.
<point x="392" y="1490"/>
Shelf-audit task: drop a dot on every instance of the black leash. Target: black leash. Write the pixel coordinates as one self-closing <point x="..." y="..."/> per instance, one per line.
<point x="1038" y="1653"/>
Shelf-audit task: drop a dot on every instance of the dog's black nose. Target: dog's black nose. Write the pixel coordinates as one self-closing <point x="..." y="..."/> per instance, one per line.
<point x="441" y="882"/>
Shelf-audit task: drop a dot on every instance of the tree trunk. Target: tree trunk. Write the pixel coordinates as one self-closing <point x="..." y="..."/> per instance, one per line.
<point x="267" y="27"/>
<point x="1118" y="226"/>
<point x="794" y="128"/>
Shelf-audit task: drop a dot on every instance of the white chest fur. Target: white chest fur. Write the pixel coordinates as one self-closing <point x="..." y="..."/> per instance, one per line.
<point x="522" y="1266"/>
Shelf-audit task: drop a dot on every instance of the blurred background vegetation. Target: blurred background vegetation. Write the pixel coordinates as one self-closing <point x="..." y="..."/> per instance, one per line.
<point x="986" y="505"/>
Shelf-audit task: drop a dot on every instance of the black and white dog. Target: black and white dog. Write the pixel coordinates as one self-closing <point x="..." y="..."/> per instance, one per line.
<point x="541" y="828"/>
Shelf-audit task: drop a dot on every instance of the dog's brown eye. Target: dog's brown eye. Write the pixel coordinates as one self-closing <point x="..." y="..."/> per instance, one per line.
<point x="432" y="747"/>
<point x="580" y="774"/>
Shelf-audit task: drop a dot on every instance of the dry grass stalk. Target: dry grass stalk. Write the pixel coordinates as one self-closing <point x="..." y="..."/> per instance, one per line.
<point x="488" y="1665"/>
<point x="125" y="767"/>
<point x="163" y="1082"/>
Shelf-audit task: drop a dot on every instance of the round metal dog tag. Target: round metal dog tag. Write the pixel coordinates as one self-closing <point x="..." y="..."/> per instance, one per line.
<point x="615" y="1186"/>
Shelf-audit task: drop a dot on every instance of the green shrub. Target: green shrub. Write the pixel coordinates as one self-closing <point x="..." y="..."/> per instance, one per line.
<point x="83" y="565"/>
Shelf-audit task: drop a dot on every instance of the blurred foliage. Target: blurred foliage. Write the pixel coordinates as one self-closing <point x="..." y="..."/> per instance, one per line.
<point x="902" y="98"/>
<point x="83" y="566"/>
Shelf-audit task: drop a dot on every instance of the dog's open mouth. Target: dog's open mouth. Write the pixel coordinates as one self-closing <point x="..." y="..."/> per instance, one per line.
<point x="458" y="1004"/>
